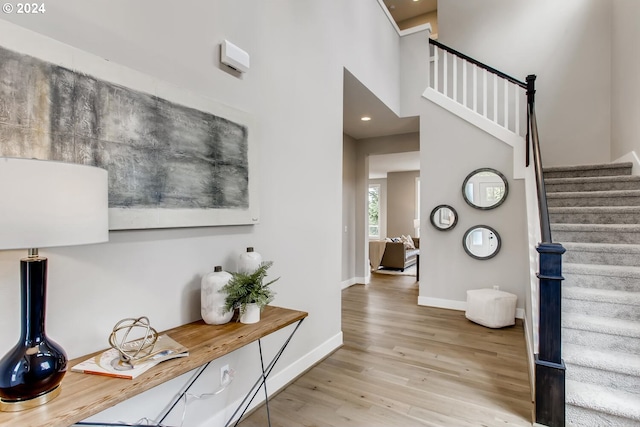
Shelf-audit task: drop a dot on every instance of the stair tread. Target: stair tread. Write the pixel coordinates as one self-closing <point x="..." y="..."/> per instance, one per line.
<point x="593" y="194"/>
<point x="604" y="325"/>
<point x="603" y="399"/>
<point x="592" y="179"/>
<point x="600" y="269"/>
<point x="603" y="247"/>
<point x="627" y="228"/>
<point x="601" y="295"/>
<point x="588" y="167"/>
<point x="594" y="209"/>
<point x="612" y="361"/>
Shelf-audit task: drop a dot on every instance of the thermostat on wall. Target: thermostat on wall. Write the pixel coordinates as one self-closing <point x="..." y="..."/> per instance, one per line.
<point x="234" y="57"/>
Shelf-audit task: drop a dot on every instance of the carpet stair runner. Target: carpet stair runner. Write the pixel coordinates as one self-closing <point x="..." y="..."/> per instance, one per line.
<point x="595" y="213"/>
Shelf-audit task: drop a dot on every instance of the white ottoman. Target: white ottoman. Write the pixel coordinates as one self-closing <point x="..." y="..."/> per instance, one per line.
<point x="491" y="308"/>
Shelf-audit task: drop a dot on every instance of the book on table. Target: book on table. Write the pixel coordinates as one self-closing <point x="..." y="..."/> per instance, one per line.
<point x="108" y="362"/>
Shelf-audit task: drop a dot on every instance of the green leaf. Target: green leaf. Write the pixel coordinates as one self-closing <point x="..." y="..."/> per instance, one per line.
<point x="247" y="288"/>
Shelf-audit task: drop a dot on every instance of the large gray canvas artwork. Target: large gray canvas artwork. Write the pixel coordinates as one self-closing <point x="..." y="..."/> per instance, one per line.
<point x="159" y="154"/>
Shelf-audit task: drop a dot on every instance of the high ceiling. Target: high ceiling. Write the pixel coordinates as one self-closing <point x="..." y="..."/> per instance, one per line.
<point x="403" y="10"/>
<point x="360" y="101"/>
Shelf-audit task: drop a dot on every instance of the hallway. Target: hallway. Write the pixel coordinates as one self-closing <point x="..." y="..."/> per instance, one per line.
<point x="406" y="365"/>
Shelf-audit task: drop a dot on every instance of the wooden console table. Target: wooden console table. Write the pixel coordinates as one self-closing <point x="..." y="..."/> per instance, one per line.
<point x="84" y="395"/>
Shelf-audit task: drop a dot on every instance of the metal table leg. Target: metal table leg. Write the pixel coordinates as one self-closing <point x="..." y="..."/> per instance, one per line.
<point x="261" y="381"/>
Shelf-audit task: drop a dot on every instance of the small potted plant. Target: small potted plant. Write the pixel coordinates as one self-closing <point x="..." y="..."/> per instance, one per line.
<point x="249" y="293"/>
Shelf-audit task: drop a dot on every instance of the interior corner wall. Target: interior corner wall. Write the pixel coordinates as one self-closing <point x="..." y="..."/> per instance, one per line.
<point x="451" y="149"/>
<point x="566" y="44"/>
<point x="298" y="126"/>
<point x="348" y="209"/>
<point x="401" y="203"/>
<point x="625" y="78"/>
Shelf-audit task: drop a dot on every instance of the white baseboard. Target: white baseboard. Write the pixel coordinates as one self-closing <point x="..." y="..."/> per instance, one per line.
<point x="455" y="305"/>
<point x="354" y="281"/>
<point x="633" y="158"/>
<point x="281" y="379"/>
<point x="443" y="303"/>
<point x="291" y="372"/>
<point x="350" y="282"/>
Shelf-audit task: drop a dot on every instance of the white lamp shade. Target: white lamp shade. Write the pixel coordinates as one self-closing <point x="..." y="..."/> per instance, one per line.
<point x="46" y="203"/>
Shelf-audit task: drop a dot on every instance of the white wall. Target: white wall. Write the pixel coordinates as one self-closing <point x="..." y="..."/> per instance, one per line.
<point x="348" y="210"/>
<point x="566" y="44"/>
<point x="625" y="78"/>
<point x="294" y="94"/>
<point x="447" y="272"/>
<point x="401" y="203"/>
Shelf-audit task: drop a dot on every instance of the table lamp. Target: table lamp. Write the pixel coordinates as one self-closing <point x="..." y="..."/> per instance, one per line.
<point x="43" y="204"/>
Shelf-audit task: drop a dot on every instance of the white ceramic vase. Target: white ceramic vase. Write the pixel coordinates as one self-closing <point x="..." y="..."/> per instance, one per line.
<point x="249" y="261"/>
<point x="251" y="314"/>
<point x="212" y="298"/>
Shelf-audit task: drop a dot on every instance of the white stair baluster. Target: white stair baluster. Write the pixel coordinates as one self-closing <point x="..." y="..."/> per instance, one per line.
<point x="517" y="107"/>
<point x="506" y="104"/>
<point x="464" y="83"/>
<point x="445" y="73"/>
<point x="436" y="69"/>
<point x="495" y="98"/>
<point x="485" y="95"/>
<point x="455" y="77"/>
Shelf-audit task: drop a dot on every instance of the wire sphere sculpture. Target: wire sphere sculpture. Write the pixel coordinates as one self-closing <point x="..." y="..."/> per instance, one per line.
<point x="137" y="348"/>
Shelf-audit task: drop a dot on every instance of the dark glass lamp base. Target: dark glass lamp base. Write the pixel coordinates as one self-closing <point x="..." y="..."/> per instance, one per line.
<point x="31" y="376"/>
<point x="31" y="372"/>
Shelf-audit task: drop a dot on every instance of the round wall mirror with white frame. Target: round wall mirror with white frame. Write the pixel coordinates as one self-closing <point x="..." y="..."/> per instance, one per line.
<point x="485" y="188"/>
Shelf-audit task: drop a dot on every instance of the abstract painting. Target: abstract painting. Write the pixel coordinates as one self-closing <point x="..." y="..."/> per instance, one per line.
<point x="169" y="165"/>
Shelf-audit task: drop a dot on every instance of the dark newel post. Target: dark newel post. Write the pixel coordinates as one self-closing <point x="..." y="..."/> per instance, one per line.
<point x="550" y="369"/>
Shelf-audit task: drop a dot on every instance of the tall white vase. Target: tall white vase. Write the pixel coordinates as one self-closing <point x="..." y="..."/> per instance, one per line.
<point x="249" y="261"/>
<point x="212" y="298"/>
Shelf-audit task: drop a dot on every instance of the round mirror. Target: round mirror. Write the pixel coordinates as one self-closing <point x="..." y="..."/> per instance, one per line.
<point x="485" y="188"/>
<point x="444" y="217"/>
<point x="481" y="242"/>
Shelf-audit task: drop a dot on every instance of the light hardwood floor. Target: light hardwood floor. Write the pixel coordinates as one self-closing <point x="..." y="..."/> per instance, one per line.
<point x="406" y="365"/>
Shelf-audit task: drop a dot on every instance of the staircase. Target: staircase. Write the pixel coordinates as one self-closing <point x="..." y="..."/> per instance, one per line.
<point x="595" y="213"/>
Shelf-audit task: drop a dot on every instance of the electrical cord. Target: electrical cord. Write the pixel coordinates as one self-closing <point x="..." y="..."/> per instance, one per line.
<point x="145" y="422"/>
<point x="226" y="380"/>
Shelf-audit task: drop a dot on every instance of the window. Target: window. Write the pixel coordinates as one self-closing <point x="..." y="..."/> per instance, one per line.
<point x="374" y="211"/>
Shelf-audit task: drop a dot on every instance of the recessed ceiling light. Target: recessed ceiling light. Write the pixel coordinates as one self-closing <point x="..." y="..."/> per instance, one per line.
<point x="365" y="118"/>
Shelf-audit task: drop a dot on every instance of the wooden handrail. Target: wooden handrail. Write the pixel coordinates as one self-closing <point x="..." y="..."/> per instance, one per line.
<point x="479" y="64"/>
<point x="543" y="208"/>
